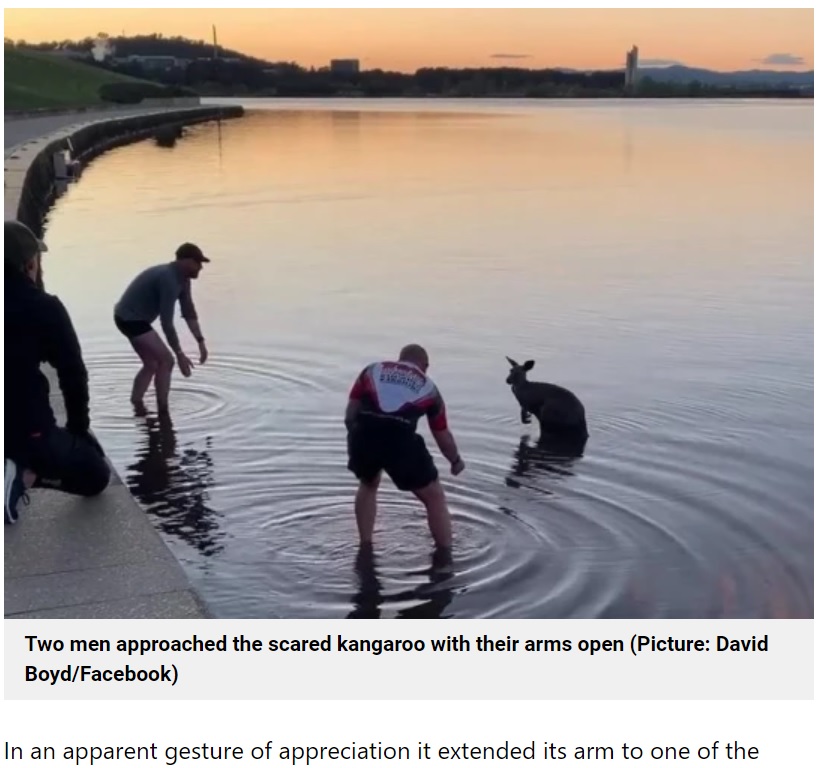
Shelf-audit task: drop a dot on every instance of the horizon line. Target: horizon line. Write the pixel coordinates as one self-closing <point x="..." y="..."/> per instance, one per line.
<point x="755" y="68"/>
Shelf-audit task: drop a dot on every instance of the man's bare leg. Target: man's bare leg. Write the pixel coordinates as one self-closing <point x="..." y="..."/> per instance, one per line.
<point x="142" y="381"/>
<point x="151" y="350"/>
<point x="366" y="506"/>
<point x="158" y="362"/>
<point x="162" y="381"/>
<point x="438" y="515"/>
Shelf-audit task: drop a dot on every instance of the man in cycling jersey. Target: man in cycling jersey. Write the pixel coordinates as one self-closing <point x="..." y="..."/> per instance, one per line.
<point x="384" y="406"/>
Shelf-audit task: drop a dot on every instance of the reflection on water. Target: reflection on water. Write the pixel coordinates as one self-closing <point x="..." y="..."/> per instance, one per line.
<point x="655" y="258"/>
<point x="427" y="601"/>
<point x="172" y="484"/>
<point x="549" y="456"/>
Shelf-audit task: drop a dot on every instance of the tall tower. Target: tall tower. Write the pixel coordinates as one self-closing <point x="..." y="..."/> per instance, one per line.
<point x="631" y="70"/>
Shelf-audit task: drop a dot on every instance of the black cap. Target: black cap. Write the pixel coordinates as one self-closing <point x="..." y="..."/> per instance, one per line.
<point x="20" y="244"/>
<point x="191" y="251"/>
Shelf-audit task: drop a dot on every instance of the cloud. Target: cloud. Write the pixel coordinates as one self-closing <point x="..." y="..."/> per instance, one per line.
<point x="510" y="55"/>
<point x="659" y="63"/>
<point x="783" y="59"/>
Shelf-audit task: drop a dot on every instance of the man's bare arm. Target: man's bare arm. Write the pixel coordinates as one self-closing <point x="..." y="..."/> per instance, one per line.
<point x="446" y="444"/>
<point x="188" y="310"/>
<point x="196" y="331"/>
<point x="354" y="400"/>
<point x="440" y="429"/>
<point x="352" y="410"/>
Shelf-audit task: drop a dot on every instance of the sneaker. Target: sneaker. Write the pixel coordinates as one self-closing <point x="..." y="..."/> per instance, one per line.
<point x="14" y="491"/>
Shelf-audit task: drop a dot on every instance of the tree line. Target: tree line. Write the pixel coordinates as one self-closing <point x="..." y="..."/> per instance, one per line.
<point x="216" y="71"/>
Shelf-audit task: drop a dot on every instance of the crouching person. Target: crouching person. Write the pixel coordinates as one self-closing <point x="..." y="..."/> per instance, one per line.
<point x="38" y="329"/>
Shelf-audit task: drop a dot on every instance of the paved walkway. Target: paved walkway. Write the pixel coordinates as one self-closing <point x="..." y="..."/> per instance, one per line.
<point x="18" y="130"/>
<point x="86" y="558"/>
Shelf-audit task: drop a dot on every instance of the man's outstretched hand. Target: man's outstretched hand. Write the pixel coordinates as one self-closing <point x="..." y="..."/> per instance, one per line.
<point x="185" y="365"/>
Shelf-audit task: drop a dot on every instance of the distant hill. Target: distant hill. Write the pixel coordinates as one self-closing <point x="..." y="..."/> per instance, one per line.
<point x="40" y="80"/>
<point x="36" y="80"/>
<point x="680" y="74"/>
<point x="147" y="45"/>
<point x="751" y="77"/>
<point x="199" y="66"/>
<point x="188" y="49"/>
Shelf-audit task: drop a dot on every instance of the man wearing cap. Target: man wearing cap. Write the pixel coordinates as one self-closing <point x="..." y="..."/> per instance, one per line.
<point x="153" y="294"/>
<point x="38" y="329"/>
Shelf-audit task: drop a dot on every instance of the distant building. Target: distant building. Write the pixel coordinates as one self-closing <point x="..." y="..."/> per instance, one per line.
<point x="344" y="66"/>
<point x="631" y="70"/>
<point x="280" y="68"/>
<point x="161" y="63"/>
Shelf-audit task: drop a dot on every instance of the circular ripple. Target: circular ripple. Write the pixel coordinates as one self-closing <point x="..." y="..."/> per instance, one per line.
<point x="299" y="515"/>
<point x="539" y="535"/>
<point x="222" y="394"/>
<point x="626" y="530"/>
<point x="310" y="532"/>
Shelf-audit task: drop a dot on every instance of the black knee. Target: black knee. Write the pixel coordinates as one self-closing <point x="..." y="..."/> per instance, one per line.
<point x="96" y="476"/>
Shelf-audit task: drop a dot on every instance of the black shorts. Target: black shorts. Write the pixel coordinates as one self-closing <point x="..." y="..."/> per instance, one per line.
<point x="397" y="450"/>
<point x="132" y="328"/>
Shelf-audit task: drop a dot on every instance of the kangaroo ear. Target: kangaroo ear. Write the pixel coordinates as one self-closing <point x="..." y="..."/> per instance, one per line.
<point x="528" y="365"/>
<point x="512" y="362"/>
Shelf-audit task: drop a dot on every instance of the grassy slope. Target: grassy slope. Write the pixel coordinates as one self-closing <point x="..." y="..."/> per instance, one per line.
<point x="35" y="80"/>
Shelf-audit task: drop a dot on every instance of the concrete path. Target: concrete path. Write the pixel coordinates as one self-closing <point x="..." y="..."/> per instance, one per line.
<point x="68" y="557"/>
<point x="17" y="130"/>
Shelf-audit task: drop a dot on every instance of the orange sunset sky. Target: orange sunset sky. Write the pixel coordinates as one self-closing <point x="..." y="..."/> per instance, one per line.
<point x="405" y="39"/>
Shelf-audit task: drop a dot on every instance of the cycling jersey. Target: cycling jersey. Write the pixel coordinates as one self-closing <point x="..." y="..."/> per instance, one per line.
<point x="399" y="391"/>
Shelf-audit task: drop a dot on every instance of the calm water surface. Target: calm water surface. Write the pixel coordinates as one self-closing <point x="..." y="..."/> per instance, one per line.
<point x="656" y="258"/>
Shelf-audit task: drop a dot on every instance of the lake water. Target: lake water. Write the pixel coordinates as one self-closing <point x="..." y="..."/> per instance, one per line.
<point x="654" y="257"/>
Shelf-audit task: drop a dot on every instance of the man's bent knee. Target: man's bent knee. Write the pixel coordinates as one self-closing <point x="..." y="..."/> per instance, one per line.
<point x="151" y="365"/>
<point x="432" y="493"/>
<point x="95" y="477"/>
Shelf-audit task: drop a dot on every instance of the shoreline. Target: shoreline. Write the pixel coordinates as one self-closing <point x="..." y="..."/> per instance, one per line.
<point x="522" y="97"/>
<point x="34" y="166"/>
<point x="67" y="556"/>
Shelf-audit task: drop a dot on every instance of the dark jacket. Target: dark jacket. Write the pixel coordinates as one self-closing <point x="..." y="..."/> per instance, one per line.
<point x="39" y="330"/>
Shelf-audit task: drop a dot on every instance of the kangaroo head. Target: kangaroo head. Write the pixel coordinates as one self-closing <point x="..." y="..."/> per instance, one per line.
<point x="518" y="373"/>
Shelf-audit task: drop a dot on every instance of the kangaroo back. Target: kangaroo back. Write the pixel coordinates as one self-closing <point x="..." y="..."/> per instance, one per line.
<point x="558" y="406"/>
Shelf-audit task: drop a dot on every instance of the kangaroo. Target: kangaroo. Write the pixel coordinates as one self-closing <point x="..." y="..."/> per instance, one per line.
<point x="557" y="409"/>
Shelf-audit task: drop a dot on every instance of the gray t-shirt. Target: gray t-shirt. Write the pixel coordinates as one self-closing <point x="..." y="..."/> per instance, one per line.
<point x="152" y="294"/>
